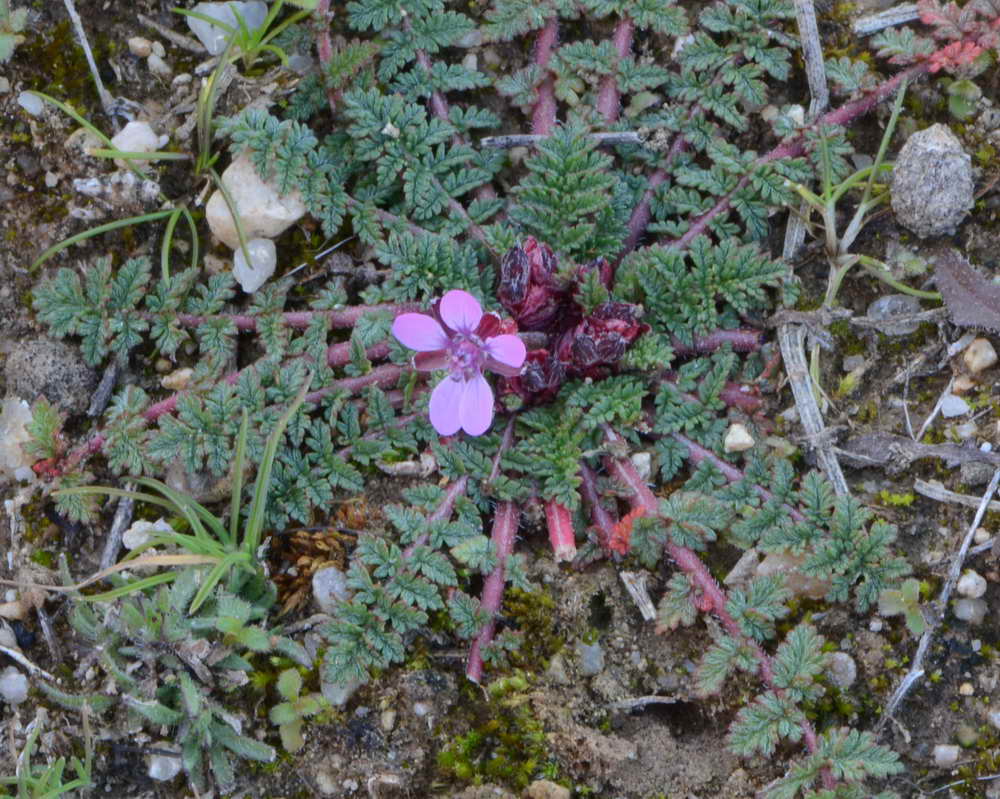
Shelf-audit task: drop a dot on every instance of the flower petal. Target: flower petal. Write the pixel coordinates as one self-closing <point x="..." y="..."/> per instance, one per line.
<point x="419" y="332"/>
<point x="476" y="409"/>
<point x="431" y="361"/>
<point x="460" y="311"/>
<point x="446" y="400"/>
<point x="506" y="354"/>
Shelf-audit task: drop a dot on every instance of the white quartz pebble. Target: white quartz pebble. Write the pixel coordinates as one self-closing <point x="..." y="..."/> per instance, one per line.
<point x="263" y="259"/>
<point x="13" y="686"/>
<point x="971" y="584"/>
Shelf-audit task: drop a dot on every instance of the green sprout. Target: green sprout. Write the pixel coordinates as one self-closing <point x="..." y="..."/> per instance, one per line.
<point x="50" y="782"/>
<point x="288" y="715"/>
<point x="904" y="601"/>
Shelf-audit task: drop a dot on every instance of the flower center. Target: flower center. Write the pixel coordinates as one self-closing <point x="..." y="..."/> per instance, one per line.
<point x="467" y="357"/>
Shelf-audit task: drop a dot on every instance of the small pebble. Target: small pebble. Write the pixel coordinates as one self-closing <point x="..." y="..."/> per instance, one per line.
<point x="970" y="610"/>
<point x="738" y="438"/>
<point x="140" y="46"/>
<point x="158" y="49"/>
<point x="966" y="689"/>
<point x="135" y="137"/>
<point x="421" y="709"/>
<point x="164" y="768"/>
<point x="981" y="536"/>
<point x="965" y="431"/>
<point x="13" y="686"/>
<point x="51" y="180"/>
<point x="946" y="755"/>
<point x="971" y="584"/>
<point x="994" y="718"/>
<point x="875" y="625"/>
<point x="966" y="735"/>
<point x="4" y="85"/>
<point x="963" y="385"/>
<point x="952" y="406"/>
<point x="31" y="103"/>
<point x="591" y="658"/>
<point x="329" y="587"/>
<point x="546" y="789"/>
<point x="388" y="719"/>
<point x="979" y="356"/>
<point x="178" y="379"/>
<point x="852" y="362"/>
<point x="643" y="463"/>
<point x="842" y="670"/>
<point x="890" y="305"/>
<point x="263" y="259"/>
<point x="158" y="66"/>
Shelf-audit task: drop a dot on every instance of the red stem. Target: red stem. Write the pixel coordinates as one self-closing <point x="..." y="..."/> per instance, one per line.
<point x="608" y="96"/>
<point x="505" y="522"/>
<point x="604" y="520"/>
<point x="560" y="524"/>
<point x="741" y="339"/>
<point x="324" y="47"/>
<point x="713" y="598"/>
<point x="543" y="117"/>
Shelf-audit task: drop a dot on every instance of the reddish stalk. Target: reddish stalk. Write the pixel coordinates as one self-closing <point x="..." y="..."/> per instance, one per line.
<point x="603" y="519"/>
<point x="505" y="522"/>
<point x="741" y="339"/>
<point x="324" y="47"/>
<point x="713" y="598"/>
<point x="608" y="96"/>
<point x="543" y="116"/>
<point x="560" y="524"/>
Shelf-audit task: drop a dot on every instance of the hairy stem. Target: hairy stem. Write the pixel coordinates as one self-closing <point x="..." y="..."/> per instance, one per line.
<point x="608" y="96"/>
<point x="504" y="532"/>
<point x="324" y="46"/>
<point x="560" y="524"/>
<point x="340" y="317"/>
<point x="543" y="116"/>
<point x="441" y="512"/>
<point x="603" y="519"/>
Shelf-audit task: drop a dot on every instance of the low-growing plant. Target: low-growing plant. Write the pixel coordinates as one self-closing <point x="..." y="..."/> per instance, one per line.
<point x="51" y="781"/>
<point x="627" y="271"/>
<point x="290" y="714"/>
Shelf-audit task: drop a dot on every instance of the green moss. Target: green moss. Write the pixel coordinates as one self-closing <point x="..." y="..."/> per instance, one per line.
<point x="507" y="746"/>
<point x="896" y="500"/>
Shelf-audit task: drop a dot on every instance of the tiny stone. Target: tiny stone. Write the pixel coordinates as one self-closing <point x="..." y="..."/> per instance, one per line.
<point x="13" y="686"/>
<point x="158" y="66"/>
<point x="263" y="259"/>
<point x="140" y="46"/>
<point x="932" y="187"/>
<point x="159" y="49"/>
<point x="852" y="362"/>
<point x="966" y="689"/>
<point x="952" y="406"/>
<point x="557" y="670"/>
<point x="329" y="586"/>
<point x="875" y="625"/>
<point x="643" y="464"/>
<point x="213" y="36"/>
<point x="177" y="380"/>
<point x="546" y="789"/>
<point x="979" y="356"/>
<point x="962" y="384"/>
<point x="966" y="430"/>
<point x="4" y="85"/>
<point x="966" y="735"/>
<point x="591" y="658"/>
<point x="971" y="584"/>
<point x="890" y="305"/>
<point x="421" y="709"/>
<point x="473" y="38"/>
<point x="945" y="755"/>
<point x="994" y="718"/>
<point x="31" y="103"/>
<point x="51" y="180"/>
<point x="738" y="438"/>
<point x="970" y="610"/>
<point x="164" y="768"/>
<point x="135" y="137"/>
<point x="15" y="416"/>
<point x="388" y="719"/>
<point x="141" y="531"/>
<point x="981" y="536"/>
<point x="842" y="670"/>
<point x="163" y="365"/>
<point x="470" y="62"/>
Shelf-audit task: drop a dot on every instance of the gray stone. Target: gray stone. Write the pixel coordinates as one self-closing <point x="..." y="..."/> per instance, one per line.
<point x="329" y="587"/>
<point x="13" y="686"/>
<point x="591" y="658"/>
<point x="46" y="367"/>
<point x="890" y="305"/>
<point x="932" y="188"/>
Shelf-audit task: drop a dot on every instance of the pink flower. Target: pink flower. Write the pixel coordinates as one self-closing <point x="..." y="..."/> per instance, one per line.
<point x="464" y="342"/>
